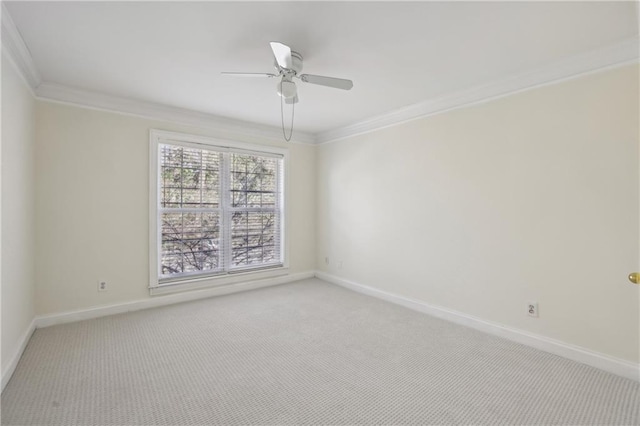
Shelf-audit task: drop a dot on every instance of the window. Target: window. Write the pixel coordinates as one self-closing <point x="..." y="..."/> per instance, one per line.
<point x="218" y="208"/>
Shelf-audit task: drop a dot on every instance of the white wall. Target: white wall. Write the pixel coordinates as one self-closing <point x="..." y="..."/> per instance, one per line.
<point x="18" y="213"/>
<point x="479" y="210"/>
<point x="93" y="214"/>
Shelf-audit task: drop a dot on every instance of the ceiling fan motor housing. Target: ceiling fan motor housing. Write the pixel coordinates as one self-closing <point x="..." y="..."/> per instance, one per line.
<point x="296" y="63"/>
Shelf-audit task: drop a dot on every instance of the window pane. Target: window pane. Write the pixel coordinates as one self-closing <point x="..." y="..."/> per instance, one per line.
<point x="254" y="238"/>
<point x="190" y="242"/>
<point x="268" y="200"/>
<point x="253" y="181"/>
<point x="171" y="155"/>
<point x="189" y="177"/>
<point x="269" y="181"/>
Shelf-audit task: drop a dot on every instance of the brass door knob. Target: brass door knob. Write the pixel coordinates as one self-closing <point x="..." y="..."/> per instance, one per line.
<point x="634" y="277"/>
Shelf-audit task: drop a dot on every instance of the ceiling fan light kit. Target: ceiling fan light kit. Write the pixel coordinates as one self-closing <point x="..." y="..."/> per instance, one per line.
<point x="287" y="89"/>
<point x="288" y="64"/>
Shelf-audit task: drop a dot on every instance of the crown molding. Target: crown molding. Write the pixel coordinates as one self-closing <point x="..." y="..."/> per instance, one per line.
<point x="615" y="55"/>
<point x="15" y="48"/>
<point x="13" y="45"/>
<point x="100" y="101"/>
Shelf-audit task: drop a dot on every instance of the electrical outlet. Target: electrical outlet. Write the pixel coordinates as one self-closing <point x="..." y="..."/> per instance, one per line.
<point x="532" y="309"/>
<point x="326" y="260"/>
<point x="102" y="285"/>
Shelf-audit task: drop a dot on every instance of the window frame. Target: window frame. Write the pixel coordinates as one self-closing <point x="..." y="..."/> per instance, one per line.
<point x="159" y="285"/>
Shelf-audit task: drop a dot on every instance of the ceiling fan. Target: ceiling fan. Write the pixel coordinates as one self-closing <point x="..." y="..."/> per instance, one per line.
<point x="288" y="65"/>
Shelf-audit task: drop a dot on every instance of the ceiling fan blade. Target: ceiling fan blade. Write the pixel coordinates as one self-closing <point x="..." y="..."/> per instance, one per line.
<point x="249" y="74"/>
<point x="282" y="53"/>
<point x="293" y="100"/>
<point x="338" y="83"/>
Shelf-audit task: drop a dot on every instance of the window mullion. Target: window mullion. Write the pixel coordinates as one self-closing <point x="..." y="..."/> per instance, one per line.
<point x="280" y="208"/>
<point x="161" y="186"/>
<point x="226" y="217"/>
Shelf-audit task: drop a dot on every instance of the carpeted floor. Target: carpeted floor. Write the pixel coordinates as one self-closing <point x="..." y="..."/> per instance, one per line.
<point x="301" y="353"/>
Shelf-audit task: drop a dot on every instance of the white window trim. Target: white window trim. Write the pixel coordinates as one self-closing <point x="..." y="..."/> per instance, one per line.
<point x="157" y="137"/>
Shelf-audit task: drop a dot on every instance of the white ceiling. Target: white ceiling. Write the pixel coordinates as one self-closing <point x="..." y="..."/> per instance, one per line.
<point x="397" y="54"/>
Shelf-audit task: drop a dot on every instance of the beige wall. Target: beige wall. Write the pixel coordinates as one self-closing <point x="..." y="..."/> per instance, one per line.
<point x="93" y="213"/>
<point x="529" y="197"/>
<point x="479" y="210"/>
<point x="18" y="212"/>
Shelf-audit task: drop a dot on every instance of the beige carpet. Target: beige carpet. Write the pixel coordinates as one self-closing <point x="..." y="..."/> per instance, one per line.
<point x="301" y="353"/>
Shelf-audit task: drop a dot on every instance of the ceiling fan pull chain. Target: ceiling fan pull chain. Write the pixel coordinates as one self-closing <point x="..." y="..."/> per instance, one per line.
<point x="293" y="110"/>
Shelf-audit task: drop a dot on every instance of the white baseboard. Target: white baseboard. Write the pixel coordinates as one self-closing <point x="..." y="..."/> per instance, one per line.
<point x="604" y="362"/>
<point x="169" y="299"/>
<point x="24" y="339"/>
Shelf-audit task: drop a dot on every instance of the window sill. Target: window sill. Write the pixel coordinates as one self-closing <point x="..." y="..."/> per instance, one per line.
<point x="208" y="282"/>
